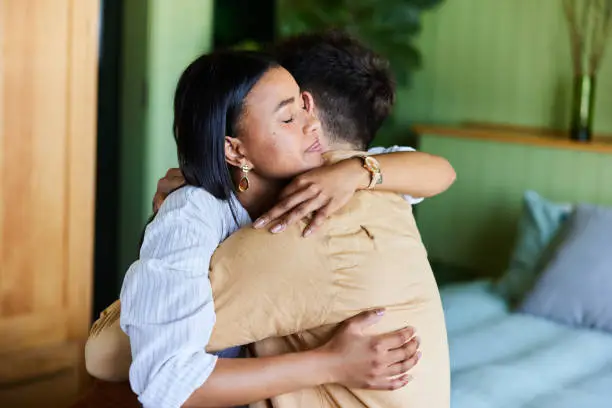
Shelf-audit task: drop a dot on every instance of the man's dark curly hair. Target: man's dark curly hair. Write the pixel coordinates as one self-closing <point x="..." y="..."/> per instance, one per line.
<point x="353" y="87"/>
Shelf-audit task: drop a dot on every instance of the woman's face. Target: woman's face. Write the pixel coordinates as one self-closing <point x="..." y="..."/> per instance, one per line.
<point x="279" y="135"/>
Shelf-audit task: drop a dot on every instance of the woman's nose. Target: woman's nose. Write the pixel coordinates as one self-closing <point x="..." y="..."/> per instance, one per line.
<point x="312" y="124"/>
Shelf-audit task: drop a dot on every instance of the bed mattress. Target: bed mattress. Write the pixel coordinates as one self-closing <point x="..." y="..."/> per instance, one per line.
<point x="501" y="359"/>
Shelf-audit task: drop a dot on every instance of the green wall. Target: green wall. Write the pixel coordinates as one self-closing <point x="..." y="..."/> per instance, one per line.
<point x="160" y="38"/>
<point x="499" y="61"/>
<point x="502" y="61"/>
<point x="474" y="223"/>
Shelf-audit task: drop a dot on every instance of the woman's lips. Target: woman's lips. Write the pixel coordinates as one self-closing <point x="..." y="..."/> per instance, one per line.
<point x="315" y="147"/>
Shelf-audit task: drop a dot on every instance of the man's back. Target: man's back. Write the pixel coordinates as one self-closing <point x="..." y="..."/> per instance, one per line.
<point x="367" y="255"/>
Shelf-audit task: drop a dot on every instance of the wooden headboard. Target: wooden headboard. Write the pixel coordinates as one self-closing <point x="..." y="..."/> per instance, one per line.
<point x="473" y="224"/>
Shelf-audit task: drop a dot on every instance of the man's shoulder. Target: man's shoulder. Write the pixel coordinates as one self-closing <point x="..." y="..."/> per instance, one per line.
<point x="364" y="201"/>
<point x="363" y="206"/>
<point x="248" y="241"/>
<point x="255" y="252"/>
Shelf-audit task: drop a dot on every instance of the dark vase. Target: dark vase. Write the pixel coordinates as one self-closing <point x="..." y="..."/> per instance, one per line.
<point x="583" y="102"/>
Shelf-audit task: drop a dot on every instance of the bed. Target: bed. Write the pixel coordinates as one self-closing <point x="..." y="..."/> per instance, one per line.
<point x="501" y="359"/>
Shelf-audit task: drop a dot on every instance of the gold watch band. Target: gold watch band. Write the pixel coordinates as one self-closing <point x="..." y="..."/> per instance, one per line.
<point x="373" y="167"/>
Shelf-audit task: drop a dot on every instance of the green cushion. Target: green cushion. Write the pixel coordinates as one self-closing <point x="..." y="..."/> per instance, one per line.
<point x="540" y="221"/>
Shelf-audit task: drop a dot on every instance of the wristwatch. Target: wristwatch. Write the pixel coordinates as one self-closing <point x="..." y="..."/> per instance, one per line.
<point x="373" y="167"/>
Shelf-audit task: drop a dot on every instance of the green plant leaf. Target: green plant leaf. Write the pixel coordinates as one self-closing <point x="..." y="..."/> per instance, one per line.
<point x="387" y="26"/>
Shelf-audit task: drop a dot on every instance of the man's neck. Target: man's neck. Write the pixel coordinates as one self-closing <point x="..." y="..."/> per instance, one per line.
<point x="341" y="145"/>
<point x="338" y="151"/>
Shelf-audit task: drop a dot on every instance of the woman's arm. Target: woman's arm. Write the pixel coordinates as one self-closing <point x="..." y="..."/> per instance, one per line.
<point x="325" y="190"/>
<point x="405" y="171"/>
<point x="166" y="300"/>
<point x="412" y="173"/>
<point x="349" y="358"/>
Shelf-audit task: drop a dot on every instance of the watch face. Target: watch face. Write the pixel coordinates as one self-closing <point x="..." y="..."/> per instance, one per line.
<point x="371" y="164"/>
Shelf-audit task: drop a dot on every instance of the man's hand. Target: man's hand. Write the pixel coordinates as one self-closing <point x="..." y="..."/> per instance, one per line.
<point x="321" y="191"/>
<point x="167" y="184"/>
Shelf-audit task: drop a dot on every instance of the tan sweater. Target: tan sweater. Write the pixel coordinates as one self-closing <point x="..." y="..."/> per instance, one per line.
<point x="287" y="293"/>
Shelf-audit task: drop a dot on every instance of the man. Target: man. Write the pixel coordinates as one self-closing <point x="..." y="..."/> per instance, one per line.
<point x="286" y="293"/>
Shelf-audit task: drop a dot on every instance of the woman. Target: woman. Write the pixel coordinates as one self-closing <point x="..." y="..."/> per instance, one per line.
<point x="240" y="123"/>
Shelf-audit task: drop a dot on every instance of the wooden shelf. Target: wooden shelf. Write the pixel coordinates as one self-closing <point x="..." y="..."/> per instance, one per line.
<point x="517" y="134"/>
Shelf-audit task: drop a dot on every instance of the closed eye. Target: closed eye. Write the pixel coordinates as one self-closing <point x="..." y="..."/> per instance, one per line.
<point x="288" y="120"/>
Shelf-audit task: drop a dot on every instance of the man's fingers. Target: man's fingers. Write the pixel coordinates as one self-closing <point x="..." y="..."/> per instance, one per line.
<point x="174" y="173"/>
<point x="158" y="200"/>
<point x="169" y="184"/>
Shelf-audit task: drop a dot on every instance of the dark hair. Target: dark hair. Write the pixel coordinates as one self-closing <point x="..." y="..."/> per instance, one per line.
<point x="207" y="106"/>
<point x="352" y="86"/>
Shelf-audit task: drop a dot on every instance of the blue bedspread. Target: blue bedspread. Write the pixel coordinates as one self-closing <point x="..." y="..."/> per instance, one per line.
<point x="507" y="360"/>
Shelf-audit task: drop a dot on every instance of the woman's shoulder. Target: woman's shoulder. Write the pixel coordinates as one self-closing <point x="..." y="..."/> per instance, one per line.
<point x="188" y="216"/>
<point x="193" y="203"/>
<point x="197" y="204"/>
<point x="190" y="196"/>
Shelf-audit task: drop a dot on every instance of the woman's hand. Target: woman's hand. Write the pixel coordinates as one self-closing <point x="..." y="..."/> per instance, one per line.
<point x="167" y="184"/>
<point x="371" y="362"/>
<point x="321" y="191"/>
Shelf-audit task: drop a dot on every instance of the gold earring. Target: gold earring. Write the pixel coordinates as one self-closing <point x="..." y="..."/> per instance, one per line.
<point x="244" y="184"/>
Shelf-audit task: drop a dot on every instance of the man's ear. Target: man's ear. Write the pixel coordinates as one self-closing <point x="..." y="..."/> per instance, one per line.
<point x="308" y="100"/>
<point x="234" y="152"/>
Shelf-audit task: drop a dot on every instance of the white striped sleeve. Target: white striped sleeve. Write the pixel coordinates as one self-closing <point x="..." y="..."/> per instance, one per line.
<point x="166" y="300"/>
<point x="382" y="150"/>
